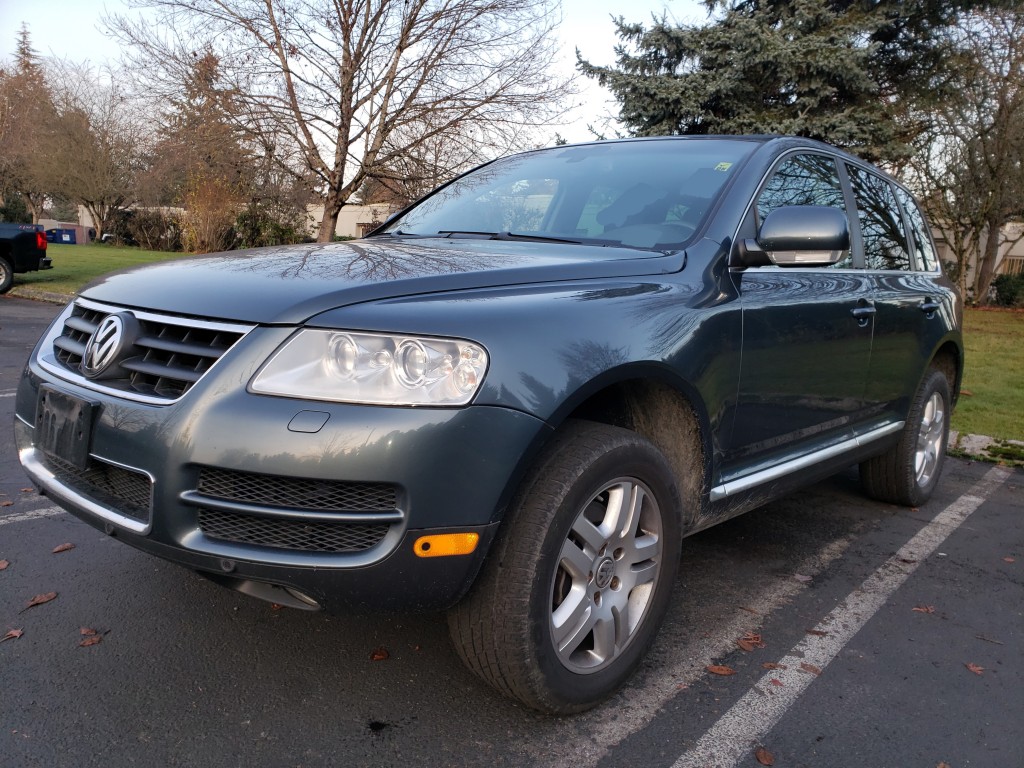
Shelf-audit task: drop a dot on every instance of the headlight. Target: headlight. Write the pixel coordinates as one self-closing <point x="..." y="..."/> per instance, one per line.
<point x="374" y="368"/>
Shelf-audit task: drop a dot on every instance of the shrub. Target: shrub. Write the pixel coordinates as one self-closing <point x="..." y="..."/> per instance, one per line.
<point x="1009" y="290"/>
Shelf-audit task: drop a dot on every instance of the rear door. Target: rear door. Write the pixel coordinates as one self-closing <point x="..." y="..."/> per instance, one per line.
<point x="910" y="303"/>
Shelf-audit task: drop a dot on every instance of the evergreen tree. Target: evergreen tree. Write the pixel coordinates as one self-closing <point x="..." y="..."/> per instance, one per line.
<point x="851" y="73"/>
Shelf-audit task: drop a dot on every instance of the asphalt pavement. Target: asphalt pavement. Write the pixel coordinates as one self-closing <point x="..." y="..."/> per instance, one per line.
<point x="879" y="637"/>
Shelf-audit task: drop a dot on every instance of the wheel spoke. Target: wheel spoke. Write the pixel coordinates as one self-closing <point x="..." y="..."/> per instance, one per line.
<point x="573" y="620"/>
<point x="593" y="539"/>
<point x="628" y="512"/>
<point x="575" y="561"/>
<point x="606" y="636"/>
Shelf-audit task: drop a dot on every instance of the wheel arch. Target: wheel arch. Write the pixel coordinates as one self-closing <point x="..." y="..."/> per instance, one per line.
<point x="662" y="409"/>
<point x="948" y="359"/>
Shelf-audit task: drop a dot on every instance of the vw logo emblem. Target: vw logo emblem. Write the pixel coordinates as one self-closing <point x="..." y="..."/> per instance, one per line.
<point x="104" y="346"/>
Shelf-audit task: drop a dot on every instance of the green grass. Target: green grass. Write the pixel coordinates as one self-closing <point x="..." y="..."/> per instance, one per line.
<point x="76" y="265"/>
<point x="992" y="394"/>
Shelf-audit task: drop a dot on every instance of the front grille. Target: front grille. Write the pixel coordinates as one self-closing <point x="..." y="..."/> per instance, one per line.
<point x="297" y="493"/>
<point x="168" y="357"/>
<point x="127" y="491"/>
<point x="281" y="533"/>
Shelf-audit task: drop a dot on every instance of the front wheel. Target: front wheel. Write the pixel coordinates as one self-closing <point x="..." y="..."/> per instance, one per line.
<point x="909" y="471"/>
<point x="576" y="588"/>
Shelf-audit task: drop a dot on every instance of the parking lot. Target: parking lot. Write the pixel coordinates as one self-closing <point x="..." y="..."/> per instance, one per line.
<point x="891" y="637"/>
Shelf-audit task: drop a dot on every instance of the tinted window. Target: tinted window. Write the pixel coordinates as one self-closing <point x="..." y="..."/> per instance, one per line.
<point x="924" y="249"/>
<point x="803" y="180"/>
<point x="651" y="194"/>
<point x="881" y="224"/>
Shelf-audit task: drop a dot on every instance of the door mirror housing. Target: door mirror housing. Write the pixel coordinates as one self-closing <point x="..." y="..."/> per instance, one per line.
<point x="799" y="236"/>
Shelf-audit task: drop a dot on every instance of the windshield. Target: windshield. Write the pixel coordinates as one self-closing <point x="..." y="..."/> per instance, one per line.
<point x="645" y="194"/>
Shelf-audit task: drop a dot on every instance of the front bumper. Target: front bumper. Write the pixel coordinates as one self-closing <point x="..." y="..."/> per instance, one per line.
<point x="248" y="491"/>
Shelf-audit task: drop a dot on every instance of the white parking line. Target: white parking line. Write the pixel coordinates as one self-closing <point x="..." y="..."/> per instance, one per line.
<point x="8" y="394"/>
<point x="741" y="729"/>
<point x="21" y="517"/>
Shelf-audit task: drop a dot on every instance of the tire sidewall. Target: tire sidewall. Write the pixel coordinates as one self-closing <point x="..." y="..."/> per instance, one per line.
<point x="6" y="276"/>
<point x="631" y="459"/>
<point x="934" y="382"/>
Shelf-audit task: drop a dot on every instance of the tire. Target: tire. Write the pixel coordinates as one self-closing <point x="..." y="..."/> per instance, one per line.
<point x="909" y="471"/>
<point x="572" y="594"/>
<point x="6" y="276"/>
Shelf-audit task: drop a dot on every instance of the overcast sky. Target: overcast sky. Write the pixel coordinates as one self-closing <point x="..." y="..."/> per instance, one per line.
<point x="70" y="29"/>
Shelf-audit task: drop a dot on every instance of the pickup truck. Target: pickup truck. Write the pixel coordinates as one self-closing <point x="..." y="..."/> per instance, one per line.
<point x="22" y="249"/>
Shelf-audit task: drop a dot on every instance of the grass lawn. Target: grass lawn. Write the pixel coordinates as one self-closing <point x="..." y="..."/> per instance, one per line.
<point x="76" y="265"/>
<point x="992" y="394"/>
<point x="992" y="402"/>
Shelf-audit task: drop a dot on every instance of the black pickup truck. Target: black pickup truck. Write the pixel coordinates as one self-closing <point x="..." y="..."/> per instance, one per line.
<point x="22" y="249"/>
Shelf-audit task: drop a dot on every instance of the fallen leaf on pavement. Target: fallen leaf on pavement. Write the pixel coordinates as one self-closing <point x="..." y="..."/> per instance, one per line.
<point x="27" y="490"/>
<point x="380" y="654"/>
<point x="1009" y="560"/>
<point x="776" y="681"/>
<point x="801" y="577"/>
<point x="924" y="608"/>
<point x="943" y="764"/>
<point x="4" y="564"/>
<point x="39" y="600"/>
<point x="91" y="640"/>
<point x="773" y="665"/>
<point x="810" y="668"/>
<point x="750" y="641"/>
<point x="975" y="668"/>
<point x="720" y="669"/>
<point x="88" y="632"/>
<point x="63" y="548"/>
<point x="12" y="634"/>
<point x="6" y="503"/>
<point x="764" y="757"/>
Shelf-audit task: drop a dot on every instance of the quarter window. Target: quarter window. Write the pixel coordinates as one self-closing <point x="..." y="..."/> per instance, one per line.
<point x="804" y="180"/>
<point x="881" y="224"/>
<point x="921" y="238"/>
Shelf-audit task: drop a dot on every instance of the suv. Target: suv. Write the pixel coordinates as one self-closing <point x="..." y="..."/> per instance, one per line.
<point x="515" y="398"/>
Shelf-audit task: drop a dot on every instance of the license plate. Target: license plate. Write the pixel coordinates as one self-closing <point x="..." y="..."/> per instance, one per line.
<point x="64" y="425"/>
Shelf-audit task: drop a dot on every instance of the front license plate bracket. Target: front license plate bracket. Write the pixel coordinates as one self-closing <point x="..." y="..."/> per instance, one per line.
<point x="64" y="425"/>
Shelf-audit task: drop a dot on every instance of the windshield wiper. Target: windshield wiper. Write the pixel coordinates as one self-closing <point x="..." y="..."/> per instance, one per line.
<point x="524" y="237"/>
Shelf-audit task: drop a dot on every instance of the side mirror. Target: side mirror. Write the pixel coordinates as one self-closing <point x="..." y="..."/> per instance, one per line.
<point x="799" y="236"/>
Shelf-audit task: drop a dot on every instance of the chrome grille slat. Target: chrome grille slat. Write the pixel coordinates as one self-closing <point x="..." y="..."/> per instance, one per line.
<point x="170" y="355"/>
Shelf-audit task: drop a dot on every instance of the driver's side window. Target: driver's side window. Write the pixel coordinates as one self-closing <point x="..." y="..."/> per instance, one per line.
<point x="804" y="180"/>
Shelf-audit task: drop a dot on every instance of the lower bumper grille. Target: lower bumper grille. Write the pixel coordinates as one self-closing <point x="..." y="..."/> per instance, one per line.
<point x="124" y="490"/>
<point x="284" y="533"/>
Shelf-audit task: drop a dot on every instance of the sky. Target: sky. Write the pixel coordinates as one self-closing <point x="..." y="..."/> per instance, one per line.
<point x="70" y="29"/>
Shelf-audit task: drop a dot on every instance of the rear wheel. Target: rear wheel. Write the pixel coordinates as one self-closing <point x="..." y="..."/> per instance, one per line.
<point x="576" y="588"/>
<point x="6" y="276"/>
<point x="909" y="471"/>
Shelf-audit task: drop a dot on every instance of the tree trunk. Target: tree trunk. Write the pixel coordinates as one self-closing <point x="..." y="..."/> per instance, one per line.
<point x="987" y="265"/>
<point x="329" y="222"/>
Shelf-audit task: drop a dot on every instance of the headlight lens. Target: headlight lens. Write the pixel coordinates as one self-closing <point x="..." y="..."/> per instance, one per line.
<point x="374" y="368"/>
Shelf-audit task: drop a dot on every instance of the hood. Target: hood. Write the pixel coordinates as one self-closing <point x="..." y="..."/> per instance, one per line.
<point x="289" y="284"/>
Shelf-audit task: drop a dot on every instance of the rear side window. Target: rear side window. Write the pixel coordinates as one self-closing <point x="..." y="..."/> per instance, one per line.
<point x="881" y="223"/>
<point x="804" y="180"/>
<point x="920" y="237"/>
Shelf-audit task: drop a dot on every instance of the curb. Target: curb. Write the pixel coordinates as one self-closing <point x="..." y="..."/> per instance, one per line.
<point x="22" y="292"/>
<point x="983" y="448"/>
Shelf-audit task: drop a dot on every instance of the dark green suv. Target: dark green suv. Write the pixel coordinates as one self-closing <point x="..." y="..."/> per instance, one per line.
<point x="516" y="397"/>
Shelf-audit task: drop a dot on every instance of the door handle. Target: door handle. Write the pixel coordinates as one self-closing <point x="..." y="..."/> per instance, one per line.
<point x="862" y="314"/>
<point x="930" y="306"/>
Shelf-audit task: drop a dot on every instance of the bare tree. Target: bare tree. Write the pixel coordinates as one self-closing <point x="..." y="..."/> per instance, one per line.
<point x="353" y="86"/>
<point x="94" y="153"/>
<point x="971" y="163"/>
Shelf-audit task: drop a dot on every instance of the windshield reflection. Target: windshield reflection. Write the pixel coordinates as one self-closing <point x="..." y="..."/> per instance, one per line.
<point x="650" y="194"/>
